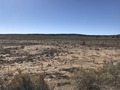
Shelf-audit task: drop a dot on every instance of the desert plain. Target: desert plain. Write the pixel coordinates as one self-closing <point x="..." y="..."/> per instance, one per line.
<point x="59" y="57"/>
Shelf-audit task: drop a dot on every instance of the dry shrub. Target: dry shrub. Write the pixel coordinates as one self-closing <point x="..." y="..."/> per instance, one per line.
<point x="86" y="79"/>
<point x="49" y="52"/>
<point x="39" y="82"/>
<point x="25" y="81"/>
<point x="1" y="83"/>
<point x="21" y="82"/>
<point x="90" y="79"/>
<point x="111" y="74"/>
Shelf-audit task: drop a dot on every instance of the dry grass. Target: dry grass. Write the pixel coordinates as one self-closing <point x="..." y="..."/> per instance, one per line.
<point x="106" y="77"/>
<point x="60" y="57"/>
<point x="25" y="81"/>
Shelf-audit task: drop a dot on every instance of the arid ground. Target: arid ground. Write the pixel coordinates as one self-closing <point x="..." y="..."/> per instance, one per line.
<point x="58" y="56"/>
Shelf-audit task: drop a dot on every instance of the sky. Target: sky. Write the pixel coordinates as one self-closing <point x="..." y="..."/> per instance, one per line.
<point x="93" y="17"/>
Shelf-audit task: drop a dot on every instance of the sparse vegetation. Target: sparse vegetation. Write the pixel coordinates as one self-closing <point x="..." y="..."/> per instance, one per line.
<point x="59" y="57"/>
<point x="22" y="47"/>
<point x="83" y="43"/>
<point x="25" y="81"/>
<point x="106" y="77"/>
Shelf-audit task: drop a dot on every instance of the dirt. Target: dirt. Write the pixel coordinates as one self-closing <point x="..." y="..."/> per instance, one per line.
<point x="58" y="56"/>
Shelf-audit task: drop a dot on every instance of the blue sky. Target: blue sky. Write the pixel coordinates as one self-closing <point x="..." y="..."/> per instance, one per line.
<point x="60" y="16"/>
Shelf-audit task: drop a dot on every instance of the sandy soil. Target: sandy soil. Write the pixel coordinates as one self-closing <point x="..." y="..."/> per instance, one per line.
<point x="58" y="58"/>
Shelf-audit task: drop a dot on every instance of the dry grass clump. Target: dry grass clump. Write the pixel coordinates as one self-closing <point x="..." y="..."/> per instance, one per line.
<point x="49" y="52"/>
<point x="25" y="81"/>
<point x="106" y="77"/>
<point x="39" y="82"/>
<point x="86" y="80"/>
<point x="1" y="83"/>
<point x="21" y="82"/>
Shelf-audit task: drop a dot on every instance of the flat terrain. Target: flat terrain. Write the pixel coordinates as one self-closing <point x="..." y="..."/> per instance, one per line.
<point x="58" y="56"/>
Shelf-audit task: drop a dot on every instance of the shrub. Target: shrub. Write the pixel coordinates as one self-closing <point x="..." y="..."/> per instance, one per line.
<point x="83" y="43"/>
<point x="21" y="82"/>
<point x="25" y="81"/>
<point x="86" y="79"/>
<point x="111" y="74"/>
<point x="91" y="79"/>
<point x="39" y="82"/>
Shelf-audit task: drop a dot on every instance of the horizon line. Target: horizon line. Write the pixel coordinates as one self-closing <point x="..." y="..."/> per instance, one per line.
<point x="58" y="34"/>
